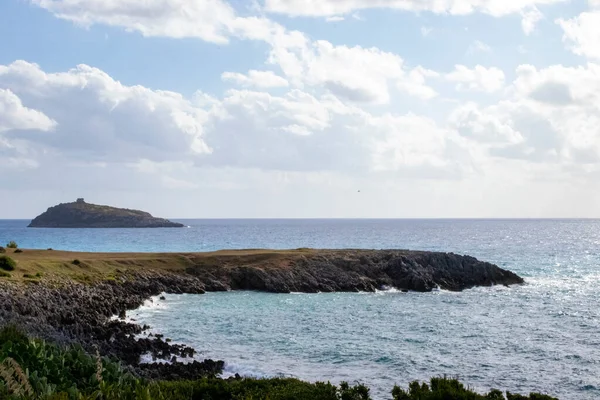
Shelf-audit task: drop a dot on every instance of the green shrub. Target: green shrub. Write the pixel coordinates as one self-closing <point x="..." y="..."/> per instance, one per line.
<point x="30" y="276"/>
<point x="2" y="249"/>
<point x="273" y="389"/>
<point x="18" y="251"/>
<point x="12" y="245"/>
<point x="451" y="389"/>
<point x="54" y="370"/>
<point x="7" y="263"/>
<point x="4" y="274"/>
<point x="76" y="262"/>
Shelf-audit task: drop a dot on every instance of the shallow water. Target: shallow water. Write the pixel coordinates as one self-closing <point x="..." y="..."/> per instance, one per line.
<point x="543" y="336"/>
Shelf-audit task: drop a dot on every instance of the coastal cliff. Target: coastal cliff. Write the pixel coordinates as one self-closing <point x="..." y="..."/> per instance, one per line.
<point x="80" y="214"/>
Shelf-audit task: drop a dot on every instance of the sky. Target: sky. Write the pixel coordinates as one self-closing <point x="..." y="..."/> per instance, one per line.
<point x="302" y="108"/>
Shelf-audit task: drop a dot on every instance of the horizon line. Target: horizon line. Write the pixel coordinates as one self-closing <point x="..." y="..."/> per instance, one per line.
<point x="359" y="218"/>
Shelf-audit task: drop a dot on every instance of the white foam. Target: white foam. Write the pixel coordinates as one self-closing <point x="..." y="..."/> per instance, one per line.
<point x="387" y="289"/>
<point x="147" y="358"/>
<point x="132" y="316"/>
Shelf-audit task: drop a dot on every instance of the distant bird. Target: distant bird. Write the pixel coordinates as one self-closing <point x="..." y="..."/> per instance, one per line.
<point x="359" y="191"/>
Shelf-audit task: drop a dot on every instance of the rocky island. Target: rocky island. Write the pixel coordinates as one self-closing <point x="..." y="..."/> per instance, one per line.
<point x="80" y="214"/>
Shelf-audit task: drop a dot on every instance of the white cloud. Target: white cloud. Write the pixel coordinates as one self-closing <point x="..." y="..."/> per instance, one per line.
<point x="354" y="73"/>
<point x="551" y="117"/>
<point x="479" y="78"/>
<point x="102" y="122"/>
<point x="209" y="20"/>
<point x="335" y="18"/>
<point x="301" y="132"/>
<point x="254" y="78"/>
<point x="324" y="8"/>
<point x="582" y="33"/>
<point x="13" y="115"/>
<point x="531" y="17"/>
<point x="100" y="119"/>
<point x="489" y="126"/>
<point x="426" y="31"/>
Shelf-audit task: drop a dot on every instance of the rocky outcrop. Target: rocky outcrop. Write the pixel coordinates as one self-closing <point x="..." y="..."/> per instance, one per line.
<point x="80" y="214"/>
<point x="352" y="270"/>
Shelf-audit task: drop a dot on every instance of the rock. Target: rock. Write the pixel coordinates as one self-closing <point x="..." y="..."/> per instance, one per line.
<point x="353" y="270"/>
<point x="80" y="214"/>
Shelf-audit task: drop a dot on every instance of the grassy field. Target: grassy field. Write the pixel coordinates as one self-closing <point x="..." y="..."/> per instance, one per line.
<point x="54" y="264"/>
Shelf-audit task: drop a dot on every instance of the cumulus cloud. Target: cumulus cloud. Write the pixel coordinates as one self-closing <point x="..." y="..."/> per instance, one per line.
<point x="531" y="16"/>
<point x="455" y="7"/>
<point x="102" y="122"/>
<point x="478" y="78"/>
<point x="488" y="126"/>
<point x="14" y="116"/>
<point x="254" y="78"/>
<point x="551" y="116"/>
<point x="582" y="34"/>
<point x="358" y="74"/>
<point x="99" y="118"/>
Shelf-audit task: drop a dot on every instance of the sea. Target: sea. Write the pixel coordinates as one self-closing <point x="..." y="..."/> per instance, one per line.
<point x="542" y="336"/>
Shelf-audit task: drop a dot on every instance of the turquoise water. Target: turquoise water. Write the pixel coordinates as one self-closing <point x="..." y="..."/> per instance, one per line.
<point x="543" y="336"/>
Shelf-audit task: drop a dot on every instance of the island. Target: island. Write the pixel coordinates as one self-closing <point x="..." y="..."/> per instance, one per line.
<point x="80" y="214"/>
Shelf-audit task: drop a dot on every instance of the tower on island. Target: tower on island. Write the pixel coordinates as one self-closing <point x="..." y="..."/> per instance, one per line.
<point x="80" y="200"/>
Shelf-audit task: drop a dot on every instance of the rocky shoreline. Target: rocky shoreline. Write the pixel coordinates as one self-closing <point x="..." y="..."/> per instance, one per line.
<point x="66" y="311"/>
<point x="81" y="313"/>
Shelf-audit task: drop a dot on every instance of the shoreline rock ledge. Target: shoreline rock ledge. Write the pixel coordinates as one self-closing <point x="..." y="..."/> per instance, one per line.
<point x="80" y="214"/>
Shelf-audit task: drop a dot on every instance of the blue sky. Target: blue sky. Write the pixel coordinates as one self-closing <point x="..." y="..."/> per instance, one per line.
<point x="275" y="108"/>
<point x="186" y="65"/>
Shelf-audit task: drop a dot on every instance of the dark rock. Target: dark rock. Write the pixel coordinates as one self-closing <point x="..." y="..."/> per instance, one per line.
<point x="356" y="270"/>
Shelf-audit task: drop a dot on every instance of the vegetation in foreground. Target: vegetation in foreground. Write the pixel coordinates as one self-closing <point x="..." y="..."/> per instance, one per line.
<point x="34" y="369"/>
<point x="7" y="263"/>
